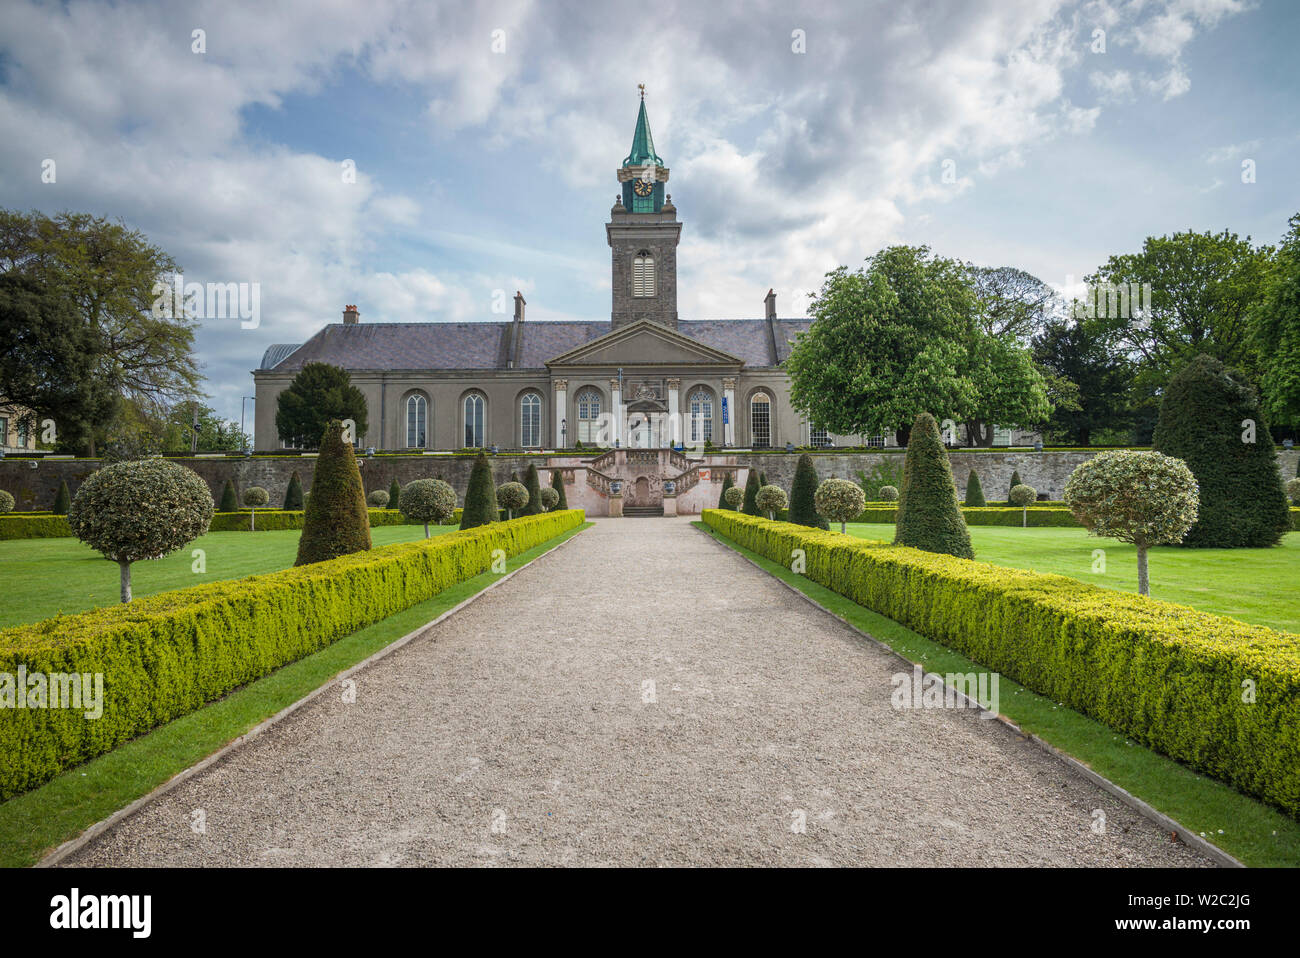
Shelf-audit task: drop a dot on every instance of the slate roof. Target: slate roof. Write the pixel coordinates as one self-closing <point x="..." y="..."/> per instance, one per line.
<point x="485" y="345"/>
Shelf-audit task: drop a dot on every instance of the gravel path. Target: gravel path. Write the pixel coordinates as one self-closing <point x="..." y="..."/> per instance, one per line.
<point x="518" y="732"/>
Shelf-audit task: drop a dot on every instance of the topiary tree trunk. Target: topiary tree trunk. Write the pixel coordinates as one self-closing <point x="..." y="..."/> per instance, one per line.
<point x="337" y="522"/>
<point x="928" y="515"/>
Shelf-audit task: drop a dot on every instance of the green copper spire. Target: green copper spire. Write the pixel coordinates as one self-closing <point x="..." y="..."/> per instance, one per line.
<point x="643" y="147"/>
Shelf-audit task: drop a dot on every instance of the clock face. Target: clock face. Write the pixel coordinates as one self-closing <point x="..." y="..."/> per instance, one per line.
<point x="642" y="188"/>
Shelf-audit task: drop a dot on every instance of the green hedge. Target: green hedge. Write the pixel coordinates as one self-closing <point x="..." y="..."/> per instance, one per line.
<point x="1039" y="515"/>
<point x="14" y="526"/>
<point x="166" y="655"/>
<point x="26" y="526"/>
<point x="1164" y="675"/>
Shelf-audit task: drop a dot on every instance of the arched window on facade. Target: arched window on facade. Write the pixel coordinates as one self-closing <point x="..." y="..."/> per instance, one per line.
<point x="474" y="421"/>
<point x="760" y="421"/>
<point x="588" y="416"/>
<point x="700" y="408"/>
<point x="643" y="274"/>
<point x="530" y="420"/>
<point x="417" y="418"/>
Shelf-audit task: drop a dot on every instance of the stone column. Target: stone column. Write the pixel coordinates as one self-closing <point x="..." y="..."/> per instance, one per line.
<point x="729" y="397"/>
<point x="560" y="409"/>
<point x="616" y="407"/>
<point x="674" y="412"/>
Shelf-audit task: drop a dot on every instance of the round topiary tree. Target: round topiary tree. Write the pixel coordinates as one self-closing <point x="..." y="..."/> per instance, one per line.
<point x="752" y="485"/>
<point x="229" y="497"/>
<point x="512" y="496"/>
<point x="293" y="494"/>
<point x="480" y="495"/>
<point x="1293" y="490"/>
<point x="771" y="500"/>
<point x="62" y="500"/>
<point x="534" y="486"/>
<point x="379" y="499"/>
<point x="1145" y="498"/>
<point x="255" y="497"/>
<point x="974" y="494"/>
<point x="557" y="483"/>
<point x="840" y="500"/>
<point x="427" y="500"/>
<point x="6" y="502"/>
<point x="394" y="493"/>
<point x="733" y="497"/>
<point x="143" y="509"/>
<point x="336" y="522"/>
<point x="550" y="498"/>
<point x="1015" y="481"/>
<point x="803" y="493"/>
<point x="889" y="493"/>
<point x="1023" y="496"/>
<point x="1211" y="418"/>
<point x="928" y="515"/>
<point x="727" y="483"/>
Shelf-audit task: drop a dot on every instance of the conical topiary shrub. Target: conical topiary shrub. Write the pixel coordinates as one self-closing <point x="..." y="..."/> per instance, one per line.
<point x="229" y="498"/>
<point x="974" y="494"/>
<point x="394" y="493"/>
<point x="336" y="522"/>
<point x="803" y="495"/>
<point x="534" y="486"/>
<point x="727" y="483"/>
<point x="752" y="485"/>
<point x="928" y="515"/>
<point x="62" y="500"/>
<point x="293" y="495"/>
<point x="557" y="483"/>
<point x="480" y="495"/>
<point x="1211" y="418"/>
<point x="1015" y="481"/>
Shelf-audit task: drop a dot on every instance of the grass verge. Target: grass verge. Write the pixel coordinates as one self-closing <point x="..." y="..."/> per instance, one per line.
<point x="1252" y="832"/>
<point x="36" y="822"/>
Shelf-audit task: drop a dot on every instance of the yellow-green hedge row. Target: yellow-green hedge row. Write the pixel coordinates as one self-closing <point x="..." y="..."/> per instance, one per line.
<point x="1040" y="516"/>
<point x="164" y="656"/>
<point x="25" y="526"/>
<point x="1164" y="675"/>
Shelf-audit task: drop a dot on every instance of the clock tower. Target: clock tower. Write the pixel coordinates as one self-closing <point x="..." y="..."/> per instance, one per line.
<point x="643" y="233"/>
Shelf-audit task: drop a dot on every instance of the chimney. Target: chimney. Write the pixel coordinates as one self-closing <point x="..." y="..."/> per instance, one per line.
<point x="517" y="332"/>
<point x="519" y="306"/>
<point x="770" y="302"/>
<point x="350" y="316"/>
<point x="769" y="309"/>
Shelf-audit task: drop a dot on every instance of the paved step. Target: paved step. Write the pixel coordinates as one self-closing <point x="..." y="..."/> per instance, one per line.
<point x="642" y="512"/>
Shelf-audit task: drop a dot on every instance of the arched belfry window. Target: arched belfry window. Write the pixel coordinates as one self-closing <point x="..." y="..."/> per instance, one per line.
<point x="760" y="420"/>
<point x="530" y="420"/>
<point x="474" y="421"/>
<point x="417" y="417"/>
<point x="643" y="274"/>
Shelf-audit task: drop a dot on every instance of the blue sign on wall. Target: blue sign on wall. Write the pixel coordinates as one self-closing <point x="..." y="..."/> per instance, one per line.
<point x="725" y="418"/>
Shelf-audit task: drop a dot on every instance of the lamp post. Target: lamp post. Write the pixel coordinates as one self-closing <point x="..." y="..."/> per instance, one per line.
<point x="564" y="433"/>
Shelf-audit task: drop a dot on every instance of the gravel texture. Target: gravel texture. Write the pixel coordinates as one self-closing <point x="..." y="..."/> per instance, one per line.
<point x="518" y="732"/>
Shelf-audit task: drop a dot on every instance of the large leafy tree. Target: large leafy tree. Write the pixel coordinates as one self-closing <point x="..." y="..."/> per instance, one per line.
<point x="142" y="431"/>
<point x="319" y="393"/>
<point x="1275" y="329"/>
<point x="110" y="274"/>
<point x="1079" y="357"/>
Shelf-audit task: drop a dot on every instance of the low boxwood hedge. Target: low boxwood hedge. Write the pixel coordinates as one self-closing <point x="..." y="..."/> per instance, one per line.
<point x="27" y="526"/>
<point x="166" y="655"/>
<point x="1164" y="675"/>
<point x="1041" y="515"/>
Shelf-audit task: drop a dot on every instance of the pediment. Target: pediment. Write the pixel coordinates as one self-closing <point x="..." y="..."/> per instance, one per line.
<point x="644" y="343"/>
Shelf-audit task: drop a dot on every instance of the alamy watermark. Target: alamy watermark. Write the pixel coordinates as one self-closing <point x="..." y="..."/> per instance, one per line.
<point x="242" y="301"/>
<point x="53" y="690"/>
<point x="919" y="689"/>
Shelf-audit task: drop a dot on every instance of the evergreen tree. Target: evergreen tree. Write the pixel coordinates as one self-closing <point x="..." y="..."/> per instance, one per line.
<point x="974" y="494"/>
<point x="803" y="492"/>
<point x="336" y="522"/>
<point x="928" y="515"/>
<point x="319" y="394"/>
<point x="762" y="479"/>
<point x="752" y="485"/>
<point x="394" y="493"/>
<point x="534" y="486"/>
<point x="727" y="483"/>
<point x="229" y="498"/>
<point x="557" y="483"/>
<point x="1212" y="419"/>
<point x="62" y="500"/>
<point x="293" y="495"/>
<point x="1015" y="481"/>
<point x="480" y="495"/>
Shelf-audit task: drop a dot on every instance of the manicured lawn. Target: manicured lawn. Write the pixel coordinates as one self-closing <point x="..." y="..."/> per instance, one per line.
<point x="43" y="577"/>
<point x="1252" y="585"/>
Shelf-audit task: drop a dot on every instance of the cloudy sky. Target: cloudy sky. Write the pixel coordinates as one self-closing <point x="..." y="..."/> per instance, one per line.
<point x="484" y="136"/>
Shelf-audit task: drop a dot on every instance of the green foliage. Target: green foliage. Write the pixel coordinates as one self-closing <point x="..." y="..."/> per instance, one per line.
<point x="888" y="493"/>
<point x="229" y="497"/>
<point x="1275" y="332"/>
<point x="428" y="500"/>
<point x="395" y="492"/>
<point x="1089" y="377"/>
<point x="733" y="496"/>
<point x="1023" y="496"/>
<point x="512" y="496"/>
<point x="169" y="654"/>
<point x="1015" y="481"/>
<point x="1205" y="420"/>
<point x="928" y="515"/>
<point x="379" y="499"/>
<point x="62" y="500"/>
<point x="557" y="483"/>
<point x="727" y="483"/>
<point x="532" y="482"/>
<point x="770" y="499"/>
<point x="752" y="485"/>
<point x="803" y="493"/>
<point x="255" y="497"/>
<point x="293" y="494"/>
<point x="1109" y="655"/>
<point x="480" y="496"/>
<point x="839" y="500"/>
<point x="887" y="472"/>
<point x="336" y="522"/>
<point x="974" y="494"/>
<point x="550" y="498"/>
<point x="6" y="502"/>
<point x="319" y="394"/>
<point x="1293" y="490"/>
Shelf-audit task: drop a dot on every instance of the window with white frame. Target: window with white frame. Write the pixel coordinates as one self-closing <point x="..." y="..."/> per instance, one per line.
<point x="818" y="438"/>
<point x="700" y="405"/>
<point x="588" y="416"/>
<point x="876" y="442"/>
<point x="417" y="417"/>
<point x="643" y="274"/>
<point x="530" y="420"/>
<point x="474" y="421"/>
<point x="760" y="421"/>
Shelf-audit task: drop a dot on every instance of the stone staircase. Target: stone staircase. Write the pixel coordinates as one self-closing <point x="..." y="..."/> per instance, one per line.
<point x="643" y="512"/>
